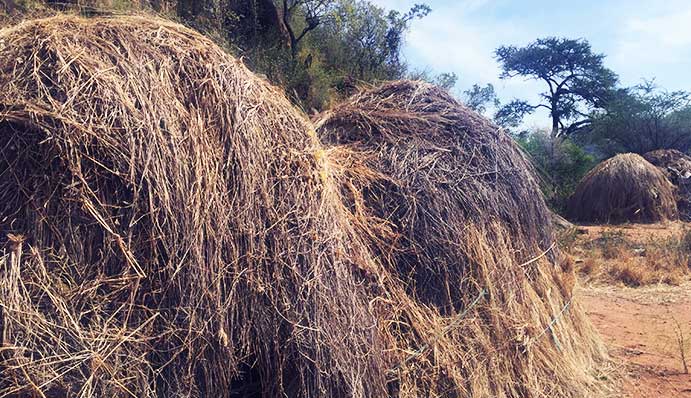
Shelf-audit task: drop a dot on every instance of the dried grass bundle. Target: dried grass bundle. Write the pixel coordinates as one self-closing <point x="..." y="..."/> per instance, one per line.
<point x="175" y="228"/>
<point x="180" y="234"/>
<point x="625" y="188"/>
<point x="450" y="205"/>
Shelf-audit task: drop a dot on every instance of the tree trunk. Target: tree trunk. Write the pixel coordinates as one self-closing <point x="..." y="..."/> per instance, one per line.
<point x="271" y="22"/>
<point x="552" y="146"/>
<point x="555" y="119"/>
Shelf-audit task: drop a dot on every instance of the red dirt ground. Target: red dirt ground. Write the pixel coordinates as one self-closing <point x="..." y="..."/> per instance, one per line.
<point x="639" y="327"/>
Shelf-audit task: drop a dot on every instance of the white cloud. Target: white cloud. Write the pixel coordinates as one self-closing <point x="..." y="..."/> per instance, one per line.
<point x="454" y="38"/>
<point x="670" y="30"/>
<point x="657" y="45"/>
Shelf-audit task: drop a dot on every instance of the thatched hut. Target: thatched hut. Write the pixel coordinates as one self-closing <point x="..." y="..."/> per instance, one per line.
<point x="450" y="204"/>
<point x="677" y="167"/>
<point x="171" y="230"/>
<point x="624" y="188"/>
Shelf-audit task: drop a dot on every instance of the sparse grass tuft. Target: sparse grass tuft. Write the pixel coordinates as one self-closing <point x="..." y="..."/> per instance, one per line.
<point x="629" y="276"/>
<point x="633" y="257"/>
<point x="612" y="244"/>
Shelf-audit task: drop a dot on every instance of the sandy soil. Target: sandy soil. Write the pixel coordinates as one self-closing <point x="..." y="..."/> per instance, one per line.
<point x="640" y="328"/>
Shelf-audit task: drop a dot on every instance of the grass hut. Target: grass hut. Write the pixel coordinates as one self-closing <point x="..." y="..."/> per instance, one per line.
<point x="625" y="188"/>
<point x="169" y="228"/>
<point x="677" y="167"/>
<point x="450" y="205"/>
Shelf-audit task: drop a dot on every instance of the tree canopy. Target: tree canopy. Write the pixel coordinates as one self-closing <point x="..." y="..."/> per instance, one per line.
<point x="576" y="79"/>
<point x="643" y="118"/>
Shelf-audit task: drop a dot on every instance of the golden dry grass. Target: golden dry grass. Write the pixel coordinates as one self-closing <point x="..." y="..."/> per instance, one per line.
<point x="179" y="230"/>
<point x="634" y="255"/>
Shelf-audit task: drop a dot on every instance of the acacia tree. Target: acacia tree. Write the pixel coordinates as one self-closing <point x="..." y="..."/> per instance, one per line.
<point x="576" y="78"/>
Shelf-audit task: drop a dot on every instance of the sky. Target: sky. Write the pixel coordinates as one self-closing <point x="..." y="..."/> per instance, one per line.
<point x="642" y="39"/>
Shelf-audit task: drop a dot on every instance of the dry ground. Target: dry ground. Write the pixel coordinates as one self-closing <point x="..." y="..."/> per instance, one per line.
<point x="641" y="328"/>
<point x="637" y="292"/>
<point x="632" y="255"/>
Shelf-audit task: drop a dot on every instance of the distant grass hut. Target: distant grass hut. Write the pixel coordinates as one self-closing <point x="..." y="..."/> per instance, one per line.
<point x="625" y="188"/>
<point x="677" y="167"/>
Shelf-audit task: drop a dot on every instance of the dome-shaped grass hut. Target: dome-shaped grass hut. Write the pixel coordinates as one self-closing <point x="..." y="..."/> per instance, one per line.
<point x="172" y="230"/>
<point x="450" y="203"/>
<point x="676" y="165"/>
<point x="624" y="188"/>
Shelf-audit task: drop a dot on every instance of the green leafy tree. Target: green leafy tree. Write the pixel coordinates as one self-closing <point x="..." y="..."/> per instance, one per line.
<point x="359" y="46"/>
<point x="479" y="98"/>
<point x="303" y="16"/>
<point x="576" y="79"/>
<point x="560" y="162"/>
<point x="643" y="118"/>
<point x="362" y="42"/>
<point x="398" y="25"/>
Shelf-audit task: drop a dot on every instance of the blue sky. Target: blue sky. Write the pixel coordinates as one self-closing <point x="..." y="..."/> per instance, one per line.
<point x="641" y="38"/>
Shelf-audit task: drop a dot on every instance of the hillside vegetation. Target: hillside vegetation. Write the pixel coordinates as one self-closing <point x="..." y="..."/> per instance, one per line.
<point x="318" y="50"/>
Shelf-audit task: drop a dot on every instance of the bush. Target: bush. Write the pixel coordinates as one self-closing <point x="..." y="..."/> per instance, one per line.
<point x="560" y="162"/>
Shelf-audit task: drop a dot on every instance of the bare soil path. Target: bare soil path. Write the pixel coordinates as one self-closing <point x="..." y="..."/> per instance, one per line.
<point x="641" y="327"/>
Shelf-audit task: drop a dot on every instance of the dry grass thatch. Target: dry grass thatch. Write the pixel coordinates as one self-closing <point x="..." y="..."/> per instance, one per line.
<point x="174" y="232"/>
<point x="451" y="206"/>
<point x="673" y="162"/>
<point x="175" y="228"/>
<point x="677" y="167"/>
<point x="625" y="188"/>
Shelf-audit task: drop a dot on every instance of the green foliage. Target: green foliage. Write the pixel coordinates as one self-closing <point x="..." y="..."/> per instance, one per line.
<point x="332" y="48"/>
<point x="318" y="50"/>
<point x="560" y="162"/>
<point x="576" y="78"/>
<point x="361" y="42"/>
<point x="447" y="81"/>
<point x="643" y="118"/>
<point x="511" y="115"/>
<point x="300" y="17"/>
<point x="355" y="43"/>
<point x="478" y="98"/>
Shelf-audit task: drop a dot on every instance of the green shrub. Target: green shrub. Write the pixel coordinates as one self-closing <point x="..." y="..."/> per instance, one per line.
<point x="560" y="162"/>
